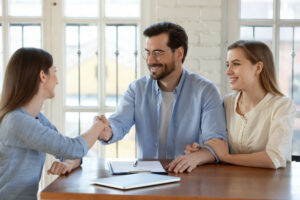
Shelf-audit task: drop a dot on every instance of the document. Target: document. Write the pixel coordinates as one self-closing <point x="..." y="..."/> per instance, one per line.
<point x="127" y="167"/>
<point x="131" y="181"/>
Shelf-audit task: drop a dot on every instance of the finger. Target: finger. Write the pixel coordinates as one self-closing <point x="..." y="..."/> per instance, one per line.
<point x="183" y="167"/>
<point x="57" y="167"/>
<point x="196" y="145"/>
<point x="179" y="166"/>
<point x="50" y="171"/>
<point x="187" y="151"/>
<point x="190" y="169"/>
<point x="65" y="170"/>
<point x="174" y="163"/>
<point x="167" y="166"/>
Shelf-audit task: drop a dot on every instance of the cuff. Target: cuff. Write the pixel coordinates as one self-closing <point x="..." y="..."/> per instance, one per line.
<point x="212" y="152"/>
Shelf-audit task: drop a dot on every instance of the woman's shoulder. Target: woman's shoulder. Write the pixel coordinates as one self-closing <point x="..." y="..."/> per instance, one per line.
<point x="282" y="103"/>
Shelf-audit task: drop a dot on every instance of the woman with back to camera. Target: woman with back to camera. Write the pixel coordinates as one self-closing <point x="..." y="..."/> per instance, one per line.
<point x="26" y="135"/>
<point x="259" y="117"/>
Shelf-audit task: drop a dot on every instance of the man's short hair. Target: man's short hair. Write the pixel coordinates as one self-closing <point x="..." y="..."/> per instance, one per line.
<point x="177" y="35"/>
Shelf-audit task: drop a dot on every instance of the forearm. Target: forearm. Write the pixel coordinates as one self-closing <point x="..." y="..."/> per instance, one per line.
<point x="204" y="156"/>
<point x="73" y="163"/>
<point x="91" y="136"/>
<point x="258" y="159"/>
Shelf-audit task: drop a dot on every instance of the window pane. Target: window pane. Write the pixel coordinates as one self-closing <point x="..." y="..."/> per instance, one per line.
<point x="24" y="35"/>
<point x="296" y="137"/>
<point x="121" y="8"/>
<point x="296" y="89"/>
<point x="262" y="33"/>
<point x="127" y="58"/>
<point x="86" y="121"/>
<point x="289" y="73"/>
<point x="81" y="8"/>
<point x="25" y="8"/>
<point x="78" y="123"/>
<point x="72" y="124"/>
<point x="81" y="61"/>
<point x="110" y="66"/>
<point x="121" y="69"/>
<point x="290" y="9"/>
<point x="256" y="9"/>
<point x="1" y="60"/>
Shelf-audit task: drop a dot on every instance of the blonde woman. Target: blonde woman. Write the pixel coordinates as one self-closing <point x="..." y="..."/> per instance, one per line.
<point x="259" y="117"/>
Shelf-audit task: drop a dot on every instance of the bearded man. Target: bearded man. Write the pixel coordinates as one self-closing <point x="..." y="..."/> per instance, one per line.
<point x="172" y="107"/>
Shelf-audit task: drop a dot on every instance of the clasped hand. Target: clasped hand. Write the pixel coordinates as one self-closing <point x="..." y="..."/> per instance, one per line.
<point x="106" y="133"/>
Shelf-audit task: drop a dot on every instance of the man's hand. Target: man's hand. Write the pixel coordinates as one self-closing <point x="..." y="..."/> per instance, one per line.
<point x="106" y="133"/>
<point x="183" y="163"/>
<point x="192" y="148"/>
<point x="220" y="147"/>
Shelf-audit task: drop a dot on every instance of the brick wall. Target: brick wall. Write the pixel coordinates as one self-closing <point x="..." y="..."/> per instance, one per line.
<point x="203" y="21"/>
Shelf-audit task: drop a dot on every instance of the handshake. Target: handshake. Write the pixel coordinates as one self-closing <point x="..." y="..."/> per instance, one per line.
<point x="103" y="128"/>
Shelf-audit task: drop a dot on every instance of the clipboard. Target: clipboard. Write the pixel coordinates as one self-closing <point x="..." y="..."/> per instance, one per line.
<point x="126" y="182"/>
<point x="129" y="167"/>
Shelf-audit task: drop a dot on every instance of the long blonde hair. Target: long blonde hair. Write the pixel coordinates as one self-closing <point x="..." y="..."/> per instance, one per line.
<point x="257" y="51"/>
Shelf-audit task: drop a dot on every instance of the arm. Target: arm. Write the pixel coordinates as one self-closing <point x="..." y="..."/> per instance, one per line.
<point x="257" y="159"/>
<point x="59" y="168"/>
<point x="213" y="121"/>
<point x="95" y="131"/>
<point x="42" y="138"/>
<point x="278" y="147"/>
<point x="190" y="161"/>
<point x="122" y="120"/>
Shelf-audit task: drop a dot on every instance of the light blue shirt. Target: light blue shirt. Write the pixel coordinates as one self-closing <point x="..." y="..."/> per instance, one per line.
<point x="198" y="115"/>
<point x="24" y="142"/>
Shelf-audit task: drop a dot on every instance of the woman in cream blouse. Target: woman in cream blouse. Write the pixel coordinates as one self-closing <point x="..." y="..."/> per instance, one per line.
<point x="259" y="117"/>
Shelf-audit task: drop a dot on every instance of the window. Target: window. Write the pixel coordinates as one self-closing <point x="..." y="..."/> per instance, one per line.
<point x="101" y="60"/>
<point x="94" y="44"/>
<point x="277" y="23"/>
<point x="21" y="24"/>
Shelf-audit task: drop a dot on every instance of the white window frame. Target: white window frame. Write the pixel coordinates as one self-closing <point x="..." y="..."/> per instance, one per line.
<point x="234" y="22"/>
<point x="57" y="108"/>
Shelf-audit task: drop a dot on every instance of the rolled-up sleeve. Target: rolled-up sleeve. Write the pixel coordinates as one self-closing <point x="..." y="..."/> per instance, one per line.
<point x="213" y="119"/>
<point x="281" y="131"/>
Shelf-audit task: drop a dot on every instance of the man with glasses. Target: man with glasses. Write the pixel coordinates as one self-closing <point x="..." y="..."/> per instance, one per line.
<point x="172" y="108"/>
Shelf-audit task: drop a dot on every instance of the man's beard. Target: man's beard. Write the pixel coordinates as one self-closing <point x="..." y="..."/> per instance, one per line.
<point x="166" y="70"/>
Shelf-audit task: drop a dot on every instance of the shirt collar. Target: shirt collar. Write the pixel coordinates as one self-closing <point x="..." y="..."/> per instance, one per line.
<point x="178" y="87"/>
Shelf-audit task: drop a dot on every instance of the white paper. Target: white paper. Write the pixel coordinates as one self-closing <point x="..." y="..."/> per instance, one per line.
<point x="142" y="166"/>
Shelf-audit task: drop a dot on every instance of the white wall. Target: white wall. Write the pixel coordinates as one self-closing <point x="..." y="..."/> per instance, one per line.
<point x="204" y="22"/>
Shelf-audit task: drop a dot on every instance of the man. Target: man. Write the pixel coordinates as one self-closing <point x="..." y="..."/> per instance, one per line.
<point x="173" y="107"/>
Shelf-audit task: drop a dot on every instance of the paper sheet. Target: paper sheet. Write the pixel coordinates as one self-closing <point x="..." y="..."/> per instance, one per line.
<point x="119" y="167"/>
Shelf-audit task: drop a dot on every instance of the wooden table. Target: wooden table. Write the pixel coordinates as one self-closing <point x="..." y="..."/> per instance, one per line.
<point x="212" y="181"/>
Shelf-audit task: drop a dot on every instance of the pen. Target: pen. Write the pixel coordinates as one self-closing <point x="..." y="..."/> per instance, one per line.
<point x="135" y="163"/>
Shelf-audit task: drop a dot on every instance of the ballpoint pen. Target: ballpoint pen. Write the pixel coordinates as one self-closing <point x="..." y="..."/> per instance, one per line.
<point x="135" y="163"/>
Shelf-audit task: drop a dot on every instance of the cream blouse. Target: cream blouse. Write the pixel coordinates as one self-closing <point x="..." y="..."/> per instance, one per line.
<point x="267" y="127"/>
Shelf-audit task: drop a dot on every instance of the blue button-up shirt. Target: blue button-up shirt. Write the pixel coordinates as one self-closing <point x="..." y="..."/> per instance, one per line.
<point x="198" y="115"/>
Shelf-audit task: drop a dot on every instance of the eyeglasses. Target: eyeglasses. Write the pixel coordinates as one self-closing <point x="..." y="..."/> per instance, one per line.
<point x="157" y="54"/>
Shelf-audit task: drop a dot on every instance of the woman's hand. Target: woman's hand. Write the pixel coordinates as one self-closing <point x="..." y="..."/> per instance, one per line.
<point x="59" y="168"/>
<point x="220" y="147"/>
<point x="190" y="148"/>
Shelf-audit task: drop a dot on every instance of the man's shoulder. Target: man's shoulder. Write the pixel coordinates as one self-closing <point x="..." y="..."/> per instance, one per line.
<point x="198" y="80"/>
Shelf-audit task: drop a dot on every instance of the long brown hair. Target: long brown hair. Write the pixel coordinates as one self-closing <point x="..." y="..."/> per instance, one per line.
<point x="22" y="78"/>
<point x="255" y="52"/>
